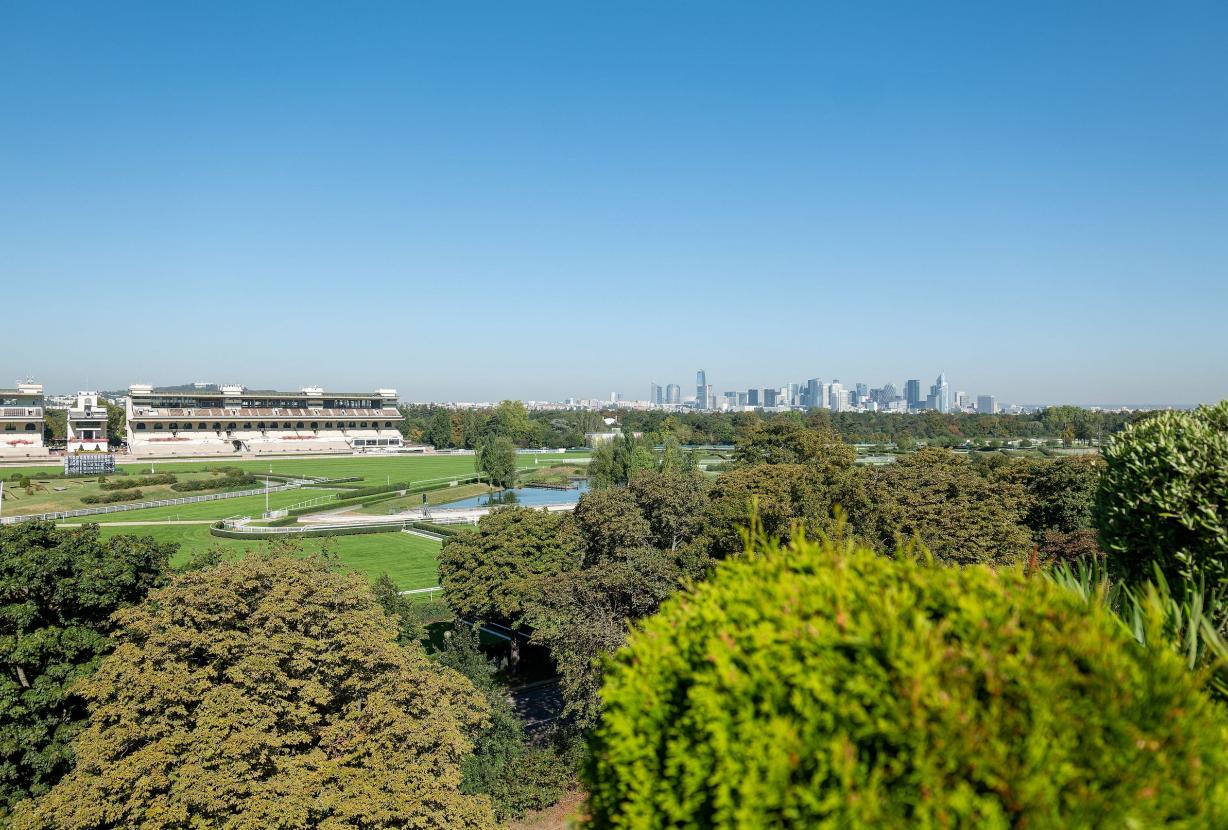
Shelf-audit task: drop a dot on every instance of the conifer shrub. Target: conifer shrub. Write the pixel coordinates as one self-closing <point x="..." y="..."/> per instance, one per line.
<point x="1163" y="498"/>
<point x="825" y="686"/>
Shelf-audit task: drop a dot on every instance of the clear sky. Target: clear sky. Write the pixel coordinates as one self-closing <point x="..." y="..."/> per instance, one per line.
<point x="485" y="200"/>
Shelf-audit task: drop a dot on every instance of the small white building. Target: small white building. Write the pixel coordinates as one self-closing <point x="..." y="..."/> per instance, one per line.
<point x="87" y="424"/>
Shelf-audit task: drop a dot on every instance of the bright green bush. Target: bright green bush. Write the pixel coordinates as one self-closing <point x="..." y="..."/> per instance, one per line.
<point x="1163" y="498"/>
<point x="113" y="497"/>
<point x="828" y="687"/>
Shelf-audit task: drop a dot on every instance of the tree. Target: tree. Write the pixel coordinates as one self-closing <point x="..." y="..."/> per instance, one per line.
<point x="117" y="421"/>
<point x="823" y="685"/>
<point x="617" y="461"/>
<point x="1060" y="492"/>
<point x="439" y="431"/>
<point x="58" y="590"/>
<point x="267" y="692"/>
<point x="672" y="503"/>
<point x="503" y="766"/>
<point x="585" y="614"/>
<point x="608" y="522"/>
<point x="511" y="420"/>
<point x="785" y="440"/>
<point x="780" y="494"/>
<point x="939" y="498"/>
<point x="490" y="574"/>
<point x="1163" y="498"/>
<point x="410" y="629"/>
<point x="496" y="459"/>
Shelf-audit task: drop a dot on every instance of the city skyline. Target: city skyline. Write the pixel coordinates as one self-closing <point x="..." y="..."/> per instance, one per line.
<point x="498" y="203"/>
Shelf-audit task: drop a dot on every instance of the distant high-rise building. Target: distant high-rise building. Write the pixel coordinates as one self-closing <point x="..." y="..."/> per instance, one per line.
<point x="863" y="392"/>
<point x="986" y="404"/>
<point x="795" y="394"/>
<point x="731" y="400"/>
<point x="836" y="398"/>
<point x="741" y="399"/>
<point x="769" y="397"/>
<point x="940" y="394"/>
<point x="912" y="393"/>
<point x="701" y="389"/>
<point x="889" y="393"/>
<point x="673" y="394"/>
<point x="962" y="401"/>
<point x="655" y="395"/>
<point x="814" y="393"/>
<point x="752" y="397"/>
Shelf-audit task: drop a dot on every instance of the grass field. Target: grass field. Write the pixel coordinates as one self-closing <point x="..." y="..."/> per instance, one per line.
<point x="65" y="493"/>
<point x="409" y="560"/>
<point x="372" y="469"/>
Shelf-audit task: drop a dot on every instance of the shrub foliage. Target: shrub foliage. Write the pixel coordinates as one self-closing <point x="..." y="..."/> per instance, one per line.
<point x="827" y="686"/>
<point x="1163" y="499"/>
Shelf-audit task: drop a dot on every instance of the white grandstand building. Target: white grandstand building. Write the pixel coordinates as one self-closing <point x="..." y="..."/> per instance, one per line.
<point x="21" y="422"/>
<point x="232" y="420"/>
<point x="86" y="424"/>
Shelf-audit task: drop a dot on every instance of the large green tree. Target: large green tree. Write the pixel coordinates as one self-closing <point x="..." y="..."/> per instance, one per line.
<point x="496" y="459"/>
<point x="785" y="439"/>
<point x="58" y="590"/>
<point x="489" y="574"/>
<point x="267" y="692"/>
<point x="937" y="497"/>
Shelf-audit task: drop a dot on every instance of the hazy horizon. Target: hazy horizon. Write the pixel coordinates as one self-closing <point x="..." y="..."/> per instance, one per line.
<point x="477" y="202"/>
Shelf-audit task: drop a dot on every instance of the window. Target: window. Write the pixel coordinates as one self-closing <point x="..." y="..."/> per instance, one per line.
<point x="10" y="427"/>
<point x="174" y="427"/>
<point x="141" y="426"/>
<point x="260" y="425"/>
<point x="315" y="424"/>
<point x="388" y="424"/>
<point x="187" y="426"/>
<point x="216" y="425"/>
<point x="202" y="426"/>
<point x="299" y="425"/>
<point x="364" y="424"/>
<point x="157" y="427"/>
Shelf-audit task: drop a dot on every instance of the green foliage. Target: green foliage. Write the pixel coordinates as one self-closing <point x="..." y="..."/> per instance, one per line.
<point x="439" y="432"/>
<point x="672" y="503"/>
<point x="617" y="461"/>
<point x="937" y="497"/>
<point x="496" y="459"/>
<point x="585" y="613"/>
<point x="58" y="589"/>
<point x="782" y="494"/>
<point x="491" y="574"/>
<point x="609" y="521"/>
<point x="230" y="479"/>
<point x="142" y="481"/>
<point x="784" y="439"/>
<point x="1060" y="493"/>
<point x="1163" y="499"/>
<point x="410" y="627"/>
<point x="111" y="498"/>
<point x="827" y="686"/>
<point x="516" y="776"/>
<point x="267" y="692"/>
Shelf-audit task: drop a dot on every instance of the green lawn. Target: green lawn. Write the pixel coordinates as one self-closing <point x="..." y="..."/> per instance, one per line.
<point x="373" y="470"/>
<point x="409" y="560"/>
<point x="65" y="493"/>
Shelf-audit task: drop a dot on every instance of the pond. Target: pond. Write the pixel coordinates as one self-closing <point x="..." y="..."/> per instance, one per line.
<point x="523" y="496"/>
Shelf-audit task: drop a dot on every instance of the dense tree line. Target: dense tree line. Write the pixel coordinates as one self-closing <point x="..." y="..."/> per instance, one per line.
<point x="444" y="428"/>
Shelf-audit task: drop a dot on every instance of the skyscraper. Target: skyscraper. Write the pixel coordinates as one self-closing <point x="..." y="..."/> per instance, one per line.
<point x="654" y="395"/>
<point x="673" y="394"/>
<point x="701" y="389"/>
<point x="940" y="394"/>
<point x="769" y="396"/>
<point x="835" y="396"/>
<point x="986" y="405"/>
<point x="912" y="393"/>
<point x="814" y="393"/>
<point x="752" y="397"/>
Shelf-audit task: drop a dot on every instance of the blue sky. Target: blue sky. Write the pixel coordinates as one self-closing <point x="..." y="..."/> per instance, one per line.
<point x="486" y="200"/>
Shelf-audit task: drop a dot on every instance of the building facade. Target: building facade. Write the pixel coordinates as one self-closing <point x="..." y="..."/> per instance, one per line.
<point x="22" y="421"/>
<point x="231" y="420"/>
<point x="86" y="424"/>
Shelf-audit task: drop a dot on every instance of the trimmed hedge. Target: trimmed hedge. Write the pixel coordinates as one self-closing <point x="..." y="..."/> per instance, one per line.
<point x="226" y="482"/>
<point x="146" y="481"/>
<point x="217" y="530"/>
<point x="1163" y="498"/>
<point x="111" y="498"/>
<point x="442" y="530"/>
<point x="827" y="686"/>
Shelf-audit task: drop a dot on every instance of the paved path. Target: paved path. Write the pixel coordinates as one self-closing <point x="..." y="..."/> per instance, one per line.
<point x="147" y="524"/>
